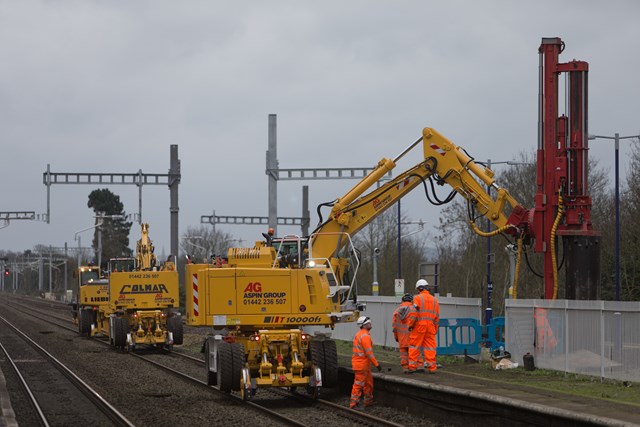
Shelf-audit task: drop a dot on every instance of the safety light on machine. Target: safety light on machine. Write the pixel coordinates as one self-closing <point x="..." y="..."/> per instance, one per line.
<point x="304" y="337"/>
<point x="255" y="337"/>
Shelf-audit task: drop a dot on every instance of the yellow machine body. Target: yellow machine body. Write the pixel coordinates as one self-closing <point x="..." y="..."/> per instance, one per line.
<point x="257" y="298"/>
<point x="140" y="303"/>
<point x="92" y="289"/>
<point x="143" y="290"/>
<point x="259" y="304"/>
<point x="144" y="299"/>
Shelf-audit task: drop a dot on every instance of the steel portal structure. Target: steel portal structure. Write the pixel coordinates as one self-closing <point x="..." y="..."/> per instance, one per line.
<point x="171" y="179"/>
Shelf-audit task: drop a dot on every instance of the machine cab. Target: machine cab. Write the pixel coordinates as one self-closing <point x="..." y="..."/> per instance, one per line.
<point x="93" y="290"/>
<point x="291" y="251"/>
<point x="117" y="265"/>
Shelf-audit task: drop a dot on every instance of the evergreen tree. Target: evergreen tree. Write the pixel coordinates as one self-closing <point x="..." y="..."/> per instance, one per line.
<point x="115" y="231"/>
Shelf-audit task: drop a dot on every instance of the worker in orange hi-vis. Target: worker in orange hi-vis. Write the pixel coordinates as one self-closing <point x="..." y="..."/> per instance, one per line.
<point x="422" y="341"/>
<point x="361" y="361"/>
<point x="544" y="341"/>
<point x="403" y="321"/>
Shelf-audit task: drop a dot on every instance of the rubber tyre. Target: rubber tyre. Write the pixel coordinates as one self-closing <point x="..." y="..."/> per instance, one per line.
<point x="212" y="377"/>
<point x="316" y="353"/>
<point x="84" y="322"/>
<point x="174" y="324"/>
<point x="120" y="330"/>
<point x="330" y="370"/>
<point x="225" y="367"/>
<point x="237" y="350"/>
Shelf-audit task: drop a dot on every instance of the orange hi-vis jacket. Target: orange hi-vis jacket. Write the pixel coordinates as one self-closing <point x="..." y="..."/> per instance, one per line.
<point x="544" y="339"/>
<point x="427" y="311"/>
<point x="402" y="322"/>
<point x="362" y="355"/>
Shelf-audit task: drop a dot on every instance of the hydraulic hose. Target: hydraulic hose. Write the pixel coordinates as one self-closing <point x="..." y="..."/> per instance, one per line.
<point x="495" y="232"/>
<point x="517" y="270"/>
<point x="554" y="260"/>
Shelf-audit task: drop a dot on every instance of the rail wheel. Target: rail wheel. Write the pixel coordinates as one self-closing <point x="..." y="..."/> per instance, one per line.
<point x="246" y="390"/>
<point x="174" y="324"/>
<point x="212" y="377"/>
<point x="313" y="389"/>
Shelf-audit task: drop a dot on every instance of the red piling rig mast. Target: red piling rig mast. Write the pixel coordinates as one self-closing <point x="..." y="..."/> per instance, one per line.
<point x="561" y="179"/>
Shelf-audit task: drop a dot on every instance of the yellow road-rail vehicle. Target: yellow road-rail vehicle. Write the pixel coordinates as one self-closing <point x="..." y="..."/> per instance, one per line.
<point x="261" y="301"/>
<point x="93" y="293"/>
<point x="258" y="304"/>
<point x="141" y="301"/>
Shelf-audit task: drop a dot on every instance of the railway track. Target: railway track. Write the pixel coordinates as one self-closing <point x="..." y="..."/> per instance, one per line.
<point x="285" y="401"/>
<point x="452" y="406"/>
<point x="285" y="407"/>
<point x="342" y="412"/>
<point x="45" y="380"/>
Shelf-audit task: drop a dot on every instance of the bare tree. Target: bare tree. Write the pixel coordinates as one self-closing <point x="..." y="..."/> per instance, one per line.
<point x="382" y="233"/>
<point x="462" y="254"/>
<point x="202" y="242"/>
<point x="629" y="235"/>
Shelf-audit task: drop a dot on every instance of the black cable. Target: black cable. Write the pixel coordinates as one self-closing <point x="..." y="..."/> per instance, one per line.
<point x="437" y="201"/>
<point x="564" y="252"/>
<point x="319" y="212"/>
<point x="526" y="257"/>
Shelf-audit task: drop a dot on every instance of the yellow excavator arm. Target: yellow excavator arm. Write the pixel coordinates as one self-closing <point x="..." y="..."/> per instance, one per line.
<point x="145" y="257"/>
<point x="442" y="160"/>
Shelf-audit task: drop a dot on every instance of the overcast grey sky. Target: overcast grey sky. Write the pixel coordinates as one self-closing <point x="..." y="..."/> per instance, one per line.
<point x="108" y="86"/>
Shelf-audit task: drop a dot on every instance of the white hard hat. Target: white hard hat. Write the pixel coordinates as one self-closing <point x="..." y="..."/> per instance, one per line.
<point x="422" y="283"/>
<point x="363" y="320"/>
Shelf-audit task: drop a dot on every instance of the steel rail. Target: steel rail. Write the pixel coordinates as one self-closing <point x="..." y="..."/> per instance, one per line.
<point x="32" y="398"/>
<point x="109" y="410"/>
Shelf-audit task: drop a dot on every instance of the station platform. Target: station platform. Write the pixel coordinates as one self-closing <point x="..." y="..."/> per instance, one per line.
<point x="459" y="381"/>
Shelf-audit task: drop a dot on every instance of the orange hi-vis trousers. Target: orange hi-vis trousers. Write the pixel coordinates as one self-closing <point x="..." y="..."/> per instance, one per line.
<point x="362" y="386"/>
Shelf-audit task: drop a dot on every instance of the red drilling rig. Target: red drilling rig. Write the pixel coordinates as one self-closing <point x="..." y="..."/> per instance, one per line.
<point x="561" y="179"/>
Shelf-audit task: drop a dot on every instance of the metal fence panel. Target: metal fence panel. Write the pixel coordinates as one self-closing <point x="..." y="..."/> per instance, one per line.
<point x="599" y="338"/>
<point x="380" y="309"/>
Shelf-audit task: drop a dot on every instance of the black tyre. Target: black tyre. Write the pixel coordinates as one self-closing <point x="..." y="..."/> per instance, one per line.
<point x="120" y="330"/>
<point x="316" y="352"/>
<point x="330" y="370"/>
<point x="212" y="377"/>
<point x="84" y="322"/>
<point x="237" y="350"/>
<point x="174" y="324"/>
<point x="225" y="367"/>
